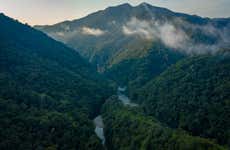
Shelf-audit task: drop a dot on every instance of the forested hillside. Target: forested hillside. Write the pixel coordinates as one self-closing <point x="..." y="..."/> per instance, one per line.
<point x="129" y="128"/>
<point x="170" y="71"/>
<point x="134" y="73"/>
<point x="48" y="93"/>
<point x="193" y="95"/>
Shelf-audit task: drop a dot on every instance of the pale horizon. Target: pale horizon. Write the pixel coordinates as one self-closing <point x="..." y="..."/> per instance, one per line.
<point x="48" y="12"/>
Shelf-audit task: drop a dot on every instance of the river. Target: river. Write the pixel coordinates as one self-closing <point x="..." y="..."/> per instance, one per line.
<point x="99" y="128"/>
<point x="98" y="121"/>
<point x="123" y="98"/>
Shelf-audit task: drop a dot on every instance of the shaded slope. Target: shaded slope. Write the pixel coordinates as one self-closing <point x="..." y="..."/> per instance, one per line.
<point x="48" y="92"/>
<point x="193" y="95"/>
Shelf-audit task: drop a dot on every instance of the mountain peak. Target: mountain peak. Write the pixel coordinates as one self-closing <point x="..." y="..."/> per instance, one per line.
<point x="154" y="9"/>
<point x="124" y="5"/>
<point x="120" y="8"/>
<point x="144" y="4"/>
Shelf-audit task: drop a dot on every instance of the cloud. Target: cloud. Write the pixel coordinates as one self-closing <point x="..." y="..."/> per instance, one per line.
<point x="139" y="28"/>
<point x="153" y="30"/>
<point x="172" y="37"/>
<point x="175" y="37"/>
<point x="92" y="31"/>
<point x="67" y="34"/>
<point x="60" y="34"/>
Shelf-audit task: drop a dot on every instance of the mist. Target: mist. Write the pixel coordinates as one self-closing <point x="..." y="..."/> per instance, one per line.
<point x="175" y="36"/>
<point x="92" y="31"/>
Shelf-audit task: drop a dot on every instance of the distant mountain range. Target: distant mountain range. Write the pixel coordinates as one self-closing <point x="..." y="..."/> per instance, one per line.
<point x="134" y="44"/>
<point x="118" y="33"/>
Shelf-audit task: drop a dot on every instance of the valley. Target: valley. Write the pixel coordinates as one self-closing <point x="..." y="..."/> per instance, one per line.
<point x="123" y="78"/>
<point x="98" y="121"/>
<point x="133" y="44"/>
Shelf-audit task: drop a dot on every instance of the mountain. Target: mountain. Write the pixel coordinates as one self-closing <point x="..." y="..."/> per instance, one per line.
<point x="48" y="92"/>
<point x="192" y="95"/>
<point x="175" y="66"/>
<point x="142" y="37"/>
<point x="130" y="128"/>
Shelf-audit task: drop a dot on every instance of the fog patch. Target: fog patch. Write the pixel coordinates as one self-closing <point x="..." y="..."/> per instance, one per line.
<point x="175" y="37"/>
<point x="60" y="33"/>
<point x="172" y="37"/>
<point x="139" y="28"/>
<point x="153" y="30"/>
<point x="92" y="31"/>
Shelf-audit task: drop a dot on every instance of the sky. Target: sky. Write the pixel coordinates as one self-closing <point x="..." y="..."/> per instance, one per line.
<point x="41" y="12"/>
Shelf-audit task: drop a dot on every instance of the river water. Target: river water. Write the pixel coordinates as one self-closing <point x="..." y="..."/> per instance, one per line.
<point x="124" y="99"/>
<point x="98" y="121"/>
<point x="99" y="128"/>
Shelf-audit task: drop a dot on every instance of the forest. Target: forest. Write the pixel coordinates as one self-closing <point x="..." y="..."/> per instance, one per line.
<point x="123" y="78"/>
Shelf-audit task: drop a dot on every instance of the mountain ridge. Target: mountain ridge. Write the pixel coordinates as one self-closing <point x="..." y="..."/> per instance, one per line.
<point x="100" y="23"/>
<point x="175" y="67"/>
<point x="129" y="5"/>
<point x="111" y="37"/>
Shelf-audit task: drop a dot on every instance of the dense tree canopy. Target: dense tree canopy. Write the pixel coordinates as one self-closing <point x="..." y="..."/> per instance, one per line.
<point x="48" y="93"/>
<point x="135" y="73"/>
<point x="129" y="128"/>
<point x="193" y="95"/>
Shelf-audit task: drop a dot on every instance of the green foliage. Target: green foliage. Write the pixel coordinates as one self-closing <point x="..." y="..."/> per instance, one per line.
<point x="137" y="72"/>
<point x="193" y="95"/>
<point x="129" y="129"/>
<point x="25" y="127"/>
<point x="48" y="93"/>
